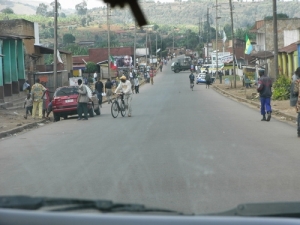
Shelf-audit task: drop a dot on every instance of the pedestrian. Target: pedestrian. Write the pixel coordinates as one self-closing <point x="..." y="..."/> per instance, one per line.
<point x="95" y="76"/>
<point x="108" y="87"/>
<point x="125" y="87"/>
<point x="264" y="88"/>
<point x="95" y="101"/>
<point x="28" y="105"/>
<point x="37" y="92"/>
<point x="82" y="101"/>
<point x="49" y="110"/>
<point x="207" y="80"/>
<point x="151" y="77"/>
<point x="297" y="92"/>
<point x="26" y="86"/>
<point x="131" y="78"/>
<point x="136" y="84"/>
<point x="192" y="79"/>
<point x="99" y="90"/>
<point x="160" y="66"/>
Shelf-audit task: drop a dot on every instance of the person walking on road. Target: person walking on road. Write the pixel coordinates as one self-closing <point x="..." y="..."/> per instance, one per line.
<point x="37" y="92"/>
<point x="108" y="86"/>
<point x="192" y="79"/>
<point x="136" y="84"/>
<point x="264" y="88"/>
<point x="297" y="91"/>
<point x="82" y="101"/>
<point x="99" y="90"/>
<point x="151" y="77"/>
<point x="125" y="87"/>
<point x="207" y="80"/>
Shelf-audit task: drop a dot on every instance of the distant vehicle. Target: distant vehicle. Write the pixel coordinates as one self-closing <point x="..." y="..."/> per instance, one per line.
<point x="200" y="78"/>
<point x="180" y="65"/>
<point x="64" y="102"/>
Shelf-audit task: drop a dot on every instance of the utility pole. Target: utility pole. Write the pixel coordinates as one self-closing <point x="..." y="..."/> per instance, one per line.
<point x="156" y="45"/>
<point x="208" y="31"/>
<point x="146" y="47"/>
<point x="233" y="47"/>
<point x="217" y="71"/>
<point x="108" y="38"/>
<point x="55" y="48"/>
<point x="173" y="41"/>
<point x="275" y="38"/>
<point x="134" y="46"/>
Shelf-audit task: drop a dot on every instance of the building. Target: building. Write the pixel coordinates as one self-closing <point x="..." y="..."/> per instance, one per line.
<point x="287" y="33"/>
<point x="23" y="58"/>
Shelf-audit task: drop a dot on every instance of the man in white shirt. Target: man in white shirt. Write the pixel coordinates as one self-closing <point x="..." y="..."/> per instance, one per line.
<point x="95" y="76"/>
<point x="125" y="87"/>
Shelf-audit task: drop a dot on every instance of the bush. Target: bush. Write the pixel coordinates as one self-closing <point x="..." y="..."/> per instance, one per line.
<point x="281" y="88"/>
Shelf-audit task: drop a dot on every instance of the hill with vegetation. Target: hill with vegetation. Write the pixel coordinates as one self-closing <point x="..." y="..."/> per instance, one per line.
<point x="185" y="22"/>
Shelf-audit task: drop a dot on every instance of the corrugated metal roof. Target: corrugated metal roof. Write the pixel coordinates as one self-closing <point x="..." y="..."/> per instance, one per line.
<point x="290" y="48"/>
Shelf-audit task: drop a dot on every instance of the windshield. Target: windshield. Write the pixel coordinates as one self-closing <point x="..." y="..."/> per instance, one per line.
<point x="65" y="91"/>
<point x="149" y="146"/>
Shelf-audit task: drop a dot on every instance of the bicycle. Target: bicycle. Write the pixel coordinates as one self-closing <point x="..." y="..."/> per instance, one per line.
<point x="118" y="105"/>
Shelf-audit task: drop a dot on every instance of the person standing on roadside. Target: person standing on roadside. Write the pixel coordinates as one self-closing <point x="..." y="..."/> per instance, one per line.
<point x="264" y="88"/>
<point x="95" y="76"/>
<point x="82" y="101"/>
<point x="108" y="86"/>
<point x="28" y="105"/>
<point x="37" y="92"/>
<point x="207" y="80"/>
<point x="297" y="91"/>
<point x="99" y="90"/>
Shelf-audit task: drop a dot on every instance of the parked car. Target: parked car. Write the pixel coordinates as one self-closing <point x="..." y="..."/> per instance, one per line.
<point x="64" y="102"/>
<point x="200" y="78"/>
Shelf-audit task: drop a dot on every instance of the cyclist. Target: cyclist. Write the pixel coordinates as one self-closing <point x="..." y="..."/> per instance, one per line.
<point x="192" y="78"/>
<point x="125" y="87"/>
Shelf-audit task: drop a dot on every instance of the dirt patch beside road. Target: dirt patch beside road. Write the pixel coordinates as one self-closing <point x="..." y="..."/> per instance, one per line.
<point x="251" y="94"/>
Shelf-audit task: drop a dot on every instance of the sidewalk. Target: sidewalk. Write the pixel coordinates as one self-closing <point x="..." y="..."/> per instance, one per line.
<point x="281" y="109"/>
<point x="13" y="122"/>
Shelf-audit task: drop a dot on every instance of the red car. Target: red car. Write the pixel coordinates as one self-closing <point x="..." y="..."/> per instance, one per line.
<point x="64" y="102"/>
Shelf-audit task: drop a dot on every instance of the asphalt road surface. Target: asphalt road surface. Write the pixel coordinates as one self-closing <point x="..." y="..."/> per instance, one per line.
<point x="192" y="151"/>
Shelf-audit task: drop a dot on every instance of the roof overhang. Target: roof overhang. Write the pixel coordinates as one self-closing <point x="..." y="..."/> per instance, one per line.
<point x="45" y="50"/>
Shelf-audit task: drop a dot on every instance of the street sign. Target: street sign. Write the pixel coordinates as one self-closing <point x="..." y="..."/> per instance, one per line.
<point x="226" y="59"/>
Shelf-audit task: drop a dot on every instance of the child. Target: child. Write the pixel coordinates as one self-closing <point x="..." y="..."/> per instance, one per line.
<point x="95" y="101"/>
<point x="28" y="105"/>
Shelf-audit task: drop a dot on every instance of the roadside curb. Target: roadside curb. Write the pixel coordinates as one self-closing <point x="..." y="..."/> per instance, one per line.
<point x="275" y="111"/>
<point x="20" y="129"/>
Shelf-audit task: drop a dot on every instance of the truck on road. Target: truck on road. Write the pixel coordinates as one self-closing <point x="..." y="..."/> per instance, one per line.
<point x="181" y="65"/>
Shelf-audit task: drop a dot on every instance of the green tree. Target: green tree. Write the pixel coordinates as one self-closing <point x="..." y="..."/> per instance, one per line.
<point x="7" y="10"/>
<point x="83" y="22"/>
<point x="90" y="67"/>
<point x="81" y="8"/>
<point x="51" y="32"/>
<point x="52" y="4"/>
<point x="62" y="15"/>
<point x="279" y="16"/>
<point x="68" y="38"/>
<point x="42" y="9"/>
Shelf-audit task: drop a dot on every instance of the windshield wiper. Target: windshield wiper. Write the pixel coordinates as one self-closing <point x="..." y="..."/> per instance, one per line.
<point x="276" y="209"/>
<point x="65" y="204"/>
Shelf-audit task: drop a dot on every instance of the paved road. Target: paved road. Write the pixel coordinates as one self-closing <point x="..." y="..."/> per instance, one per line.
<point x="192" y="151"/>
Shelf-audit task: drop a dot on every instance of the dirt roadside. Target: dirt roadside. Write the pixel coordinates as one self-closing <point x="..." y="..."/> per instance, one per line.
<point x="281" y="109"/>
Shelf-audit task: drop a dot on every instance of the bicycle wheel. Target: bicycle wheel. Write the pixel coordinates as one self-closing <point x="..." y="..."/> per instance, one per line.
<point x="114" y="109"/>
<point x="123" y="109"/>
